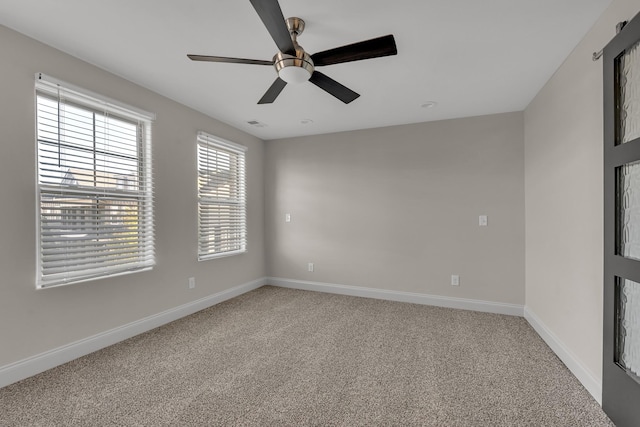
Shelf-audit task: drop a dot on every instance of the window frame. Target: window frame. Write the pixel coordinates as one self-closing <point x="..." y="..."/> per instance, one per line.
<point x="209" y="142"/>
<point x="143" y="257"/>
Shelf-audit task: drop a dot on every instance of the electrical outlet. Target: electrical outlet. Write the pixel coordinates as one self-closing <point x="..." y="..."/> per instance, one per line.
<point x="483" y="221"/>
<point x="455" y="280"/>
<point x="192" y="282"/>
<point x="287" y="217"/>
<point x="310" y="266"/>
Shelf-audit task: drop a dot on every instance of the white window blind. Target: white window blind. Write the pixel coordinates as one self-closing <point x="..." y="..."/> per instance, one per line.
<point x="222" y="228"/>
<point x="95" y="199"/>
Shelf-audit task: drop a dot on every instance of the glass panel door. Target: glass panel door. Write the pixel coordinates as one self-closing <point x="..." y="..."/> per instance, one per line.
<point x="621" y="329"/>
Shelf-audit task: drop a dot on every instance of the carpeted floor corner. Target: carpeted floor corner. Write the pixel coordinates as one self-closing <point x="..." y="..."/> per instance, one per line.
<point x="278" y="356"/>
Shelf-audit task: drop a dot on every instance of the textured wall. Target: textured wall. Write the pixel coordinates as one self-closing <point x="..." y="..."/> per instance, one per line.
<point x="397" y="208"/>
<point x="563" y="187"/>
<point x="35" y="321"/>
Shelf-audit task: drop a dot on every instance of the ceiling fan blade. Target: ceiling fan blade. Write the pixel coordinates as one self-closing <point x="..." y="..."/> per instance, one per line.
<point x="272" y="93"/>
<point x="373" y="48"/>
<point x="272" y="18"/>
<point x="334" y="88"/>
<point x="228" y="59"/>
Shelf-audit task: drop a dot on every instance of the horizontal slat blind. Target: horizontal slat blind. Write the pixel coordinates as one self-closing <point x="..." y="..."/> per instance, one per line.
<point x="222" y="228"/>
<point x="95" y="186"/>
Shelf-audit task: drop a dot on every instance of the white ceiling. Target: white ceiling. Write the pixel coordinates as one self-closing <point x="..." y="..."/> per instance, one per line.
<point x="472" y="57"/>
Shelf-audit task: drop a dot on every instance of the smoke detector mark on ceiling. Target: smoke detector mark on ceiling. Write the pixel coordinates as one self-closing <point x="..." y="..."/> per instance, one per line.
<point x="256" y="123"/>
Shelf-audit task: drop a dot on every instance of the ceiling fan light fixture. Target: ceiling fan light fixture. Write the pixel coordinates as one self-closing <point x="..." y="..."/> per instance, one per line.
<point x="293" y="74"/>
<point x="294" y="69"/>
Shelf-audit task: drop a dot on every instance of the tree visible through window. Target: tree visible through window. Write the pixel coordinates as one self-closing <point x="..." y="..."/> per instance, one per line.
<point x="94" y="187"/>
<point x="222" y="226"/>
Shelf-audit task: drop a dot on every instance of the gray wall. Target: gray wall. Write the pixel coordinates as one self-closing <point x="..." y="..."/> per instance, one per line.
<point x="33" y="321"/>
<point x="563" y="187"/>
<point x="397" y="208"/>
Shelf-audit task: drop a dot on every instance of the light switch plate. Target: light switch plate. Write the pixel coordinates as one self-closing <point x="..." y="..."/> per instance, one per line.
<point x="455" y="280"/>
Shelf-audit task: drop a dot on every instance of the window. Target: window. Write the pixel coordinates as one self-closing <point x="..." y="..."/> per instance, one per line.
<point x="95" y="202"/>
<point x="222" y="228"/>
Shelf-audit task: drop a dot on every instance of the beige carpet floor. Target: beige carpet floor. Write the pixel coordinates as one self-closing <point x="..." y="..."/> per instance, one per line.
<point x="278" y="356"/>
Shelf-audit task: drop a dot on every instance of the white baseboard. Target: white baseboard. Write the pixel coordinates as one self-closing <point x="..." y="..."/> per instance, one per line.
<point x="591" y="383"/>
<point x="411" y="297"/>
<point x="39" y="363"/>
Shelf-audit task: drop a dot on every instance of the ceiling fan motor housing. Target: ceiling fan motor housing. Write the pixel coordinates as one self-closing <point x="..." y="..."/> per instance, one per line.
<point x="294" y="69"/>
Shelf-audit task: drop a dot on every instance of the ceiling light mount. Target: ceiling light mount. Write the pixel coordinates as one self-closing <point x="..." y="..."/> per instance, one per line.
<point x="295" y="25"/>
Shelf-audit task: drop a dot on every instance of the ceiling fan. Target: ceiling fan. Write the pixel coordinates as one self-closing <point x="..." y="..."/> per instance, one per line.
<point x="294" y="65"/>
